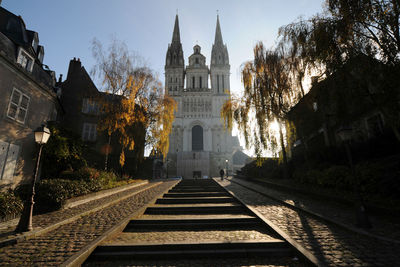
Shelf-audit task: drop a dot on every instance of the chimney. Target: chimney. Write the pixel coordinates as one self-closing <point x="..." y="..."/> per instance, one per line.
<point x="74" y="65"/>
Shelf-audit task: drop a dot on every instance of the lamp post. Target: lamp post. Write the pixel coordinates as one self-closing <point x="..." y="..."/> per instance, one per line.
<point x="42" y="134"/>
<point x="167" y="161"/>
<point x="226" y="161"/>
<point x="345" y="134"/>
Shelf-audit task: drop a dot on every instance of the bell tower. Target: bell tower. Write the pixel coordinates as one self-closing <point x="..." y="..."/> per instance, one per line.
<point x="219" y="67"/>
<point x="174" y="64"/>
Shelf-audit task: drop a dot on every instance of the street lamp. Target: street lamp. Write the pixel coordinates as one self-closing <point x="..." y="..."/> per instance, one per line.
<point x="42" y="134"/>
<point x="345" y="134"/>
<point x="166" y="162"/>
<point x="226" y="168"/>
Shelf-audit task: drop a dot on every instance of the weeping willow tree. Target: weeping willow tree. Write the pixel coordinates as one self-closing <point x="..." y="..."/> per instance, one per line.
<point x="269" y="93"/>
<point x="349" y="31"/>
<point x="134" y="101"/>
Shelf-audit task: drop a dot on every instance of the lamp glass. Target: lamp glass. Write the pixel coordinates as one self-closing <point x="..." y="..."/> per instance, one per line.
<point x="42" y="135"/>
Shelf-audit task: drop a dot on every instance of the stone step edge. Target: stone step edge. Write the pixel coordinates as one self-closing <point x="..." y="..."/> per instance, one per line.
<point x="185" y="221"/>
<point x="320" y="216"/>
<point x="41" y="231"/>
<point x="208" y="242"/>
<point x="189" y="254"/>
<point x="207" y="245"/>
<point x="76" y="201"/>
<point x="79" y="258"/>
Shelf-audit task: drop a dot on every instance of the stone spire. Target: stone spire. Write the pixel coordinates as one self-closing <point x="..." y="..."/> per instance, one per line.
<point x="219" y="65"/>
<point x="176" y="38"/>
<point x="174" y="63"/>
<point x="218" y="34"/>
<point x="219" y="52"/>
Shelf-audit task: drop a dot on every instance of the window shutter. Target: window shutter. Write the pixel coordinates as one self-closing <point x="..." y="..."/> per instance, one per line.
<point x="3" y="156"/>
<point x="11" y="162"/>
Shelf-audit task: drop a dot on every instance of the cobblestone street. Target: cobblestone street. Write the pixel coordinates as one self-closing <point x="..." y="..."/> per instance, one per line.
<point x="383" y="225"/>
<point x="44" y="220"/>
<point x="332" y="245"/>
<point x="56" y="246"/>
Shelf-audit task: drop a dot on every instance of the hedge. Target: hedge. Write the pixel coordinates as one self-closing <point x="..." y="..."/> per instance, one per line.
<point x="51" y="194"/>
<point x="10" y="205"/>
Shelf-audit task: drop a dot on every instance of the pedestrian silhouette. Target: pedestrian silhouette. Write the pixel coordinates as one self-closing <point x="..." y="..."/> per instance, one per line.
<point x="221" y="172"/>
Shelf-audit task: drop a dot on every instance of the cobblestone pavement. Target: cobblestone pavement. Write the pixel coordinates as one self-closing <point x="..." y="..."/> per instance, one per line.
<point x="55" y="247"/>
<point x="385" y="226"/>
<point x="332" y="245"/>
<point x="46" y="219"/>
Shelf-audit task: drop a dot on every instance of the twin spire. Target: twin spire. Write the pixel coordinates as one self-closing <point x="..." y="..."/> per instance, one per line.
<point x="177" y="39"/>
<point x="218" y="34"/>
<point x="176" y="36"/>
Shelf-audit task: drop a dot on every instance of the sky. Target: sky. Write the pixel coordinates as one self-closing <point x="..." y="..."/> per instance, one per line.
<point x="66" y="28"/>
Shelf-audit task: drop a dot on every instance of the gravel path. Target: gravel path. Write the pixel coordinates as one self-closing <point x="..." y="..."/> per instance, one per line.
<point x="331" y="244"/>
<point x="55" y="247"/>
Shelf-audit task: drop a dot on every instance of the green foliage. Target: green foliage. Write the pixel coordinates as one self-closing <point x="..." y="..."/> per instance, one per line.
<point x="10" y="205"/>
<point x="263" y="167"/>
<point x="51" y="194"/>
<point x="62" y="152"/>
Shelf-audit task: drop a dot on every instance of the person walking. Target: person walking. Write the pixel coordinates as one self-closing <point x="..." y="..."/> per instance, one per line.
<point x="221" y="172"/>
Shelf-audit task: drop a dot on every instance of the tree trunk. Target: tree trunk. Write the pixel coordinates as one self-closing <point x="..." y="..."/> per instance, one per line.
<point x="285" y="161"/>
<point x="107" y="152"/>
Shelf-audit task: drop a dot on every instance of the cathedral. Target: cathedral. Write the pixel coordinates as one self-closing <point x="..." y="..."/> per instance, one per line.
<point x="199" y="144"/>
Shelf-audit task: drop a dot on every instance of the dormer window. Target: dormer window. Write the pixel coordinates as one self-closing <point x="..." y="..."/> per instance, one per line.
<point x="35" y="43"/>
<point x="40" y="53"/>
<point x="25" y="60"/>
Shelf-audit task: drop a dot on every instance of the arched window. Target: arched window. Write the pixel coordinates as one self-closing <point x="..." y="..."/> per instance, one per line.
<point x="193" y="82"/>
<point x="197" y="138"/>
<point x="218" y="83"/>
<point x="200" y="86"/>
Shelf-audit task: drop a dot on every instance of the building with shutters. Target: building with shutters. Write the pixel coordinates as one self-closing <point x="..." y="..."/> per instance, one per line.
<point x="199" y="145"/>
<point x="28" y="98"/>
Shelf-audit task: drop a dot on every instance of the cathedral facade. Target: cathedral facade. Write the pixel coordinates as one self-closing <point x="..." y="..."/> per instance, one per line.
<point x="199" y="144"/>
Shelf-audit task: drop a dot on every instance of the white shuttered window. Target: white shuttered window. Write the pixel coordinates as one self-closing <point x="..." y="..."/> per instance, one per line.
<point x="18" y="106"/>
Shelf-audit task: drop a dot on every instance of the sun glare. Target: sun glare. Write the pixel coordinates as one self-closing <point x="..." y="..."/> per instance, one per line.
<point x="274" y="126"/>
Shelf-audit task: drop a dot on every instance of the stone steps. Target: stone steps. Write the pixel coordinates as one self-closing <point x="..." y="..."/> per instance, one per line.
<point x="197" y="200"/>
<point x="192" y="224"/>
<point x="195" y="219"/>
<point x="275" y="248"/>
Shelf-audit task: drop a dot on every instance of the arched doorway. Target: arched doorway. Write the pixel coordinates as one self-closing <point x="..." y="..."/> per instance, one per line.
<point x="197" y="138"/>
